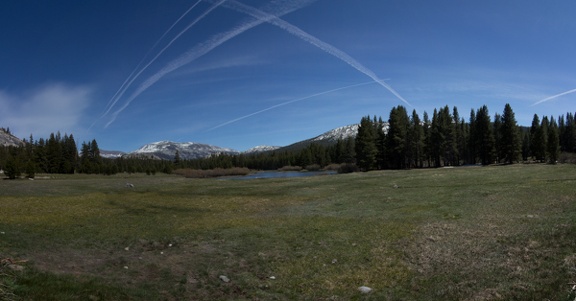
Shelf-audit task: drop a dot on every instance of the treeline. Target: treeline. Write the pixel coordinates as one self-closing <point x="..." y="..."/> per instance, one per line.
<point x="59" y="155"/>
<point x="403" y="141"/>
<point x="409" y="141"/>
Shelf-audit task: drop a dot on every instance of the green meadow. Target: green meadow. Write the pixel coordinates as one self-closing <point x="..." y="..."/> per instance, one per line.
<point x="469" y="233"/>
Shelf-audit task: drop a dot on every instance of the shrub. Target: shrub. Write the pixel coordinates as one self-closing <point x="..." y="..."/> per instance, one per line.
<point x="348" y="168"/>
<point x="313" y="167"/>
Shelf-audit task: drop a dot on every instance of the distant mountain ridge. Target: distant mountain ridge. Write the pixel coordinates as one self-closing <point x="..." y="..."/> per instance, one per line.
<point x="166" y="150"/>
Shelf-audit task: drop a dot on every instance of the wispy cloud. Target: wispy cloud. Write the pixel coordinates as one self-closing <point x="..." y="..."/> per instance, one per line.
<point x="48" y="109"/>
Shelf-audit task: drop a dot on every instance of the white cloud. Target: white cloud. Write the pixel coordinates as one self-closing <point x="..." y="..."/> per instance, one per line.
<point x="45" y="110"/>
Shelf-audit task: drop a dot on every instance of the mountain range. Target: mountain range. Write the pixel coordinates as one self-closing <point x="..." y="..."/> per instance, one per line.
<point x="166" y="150"/>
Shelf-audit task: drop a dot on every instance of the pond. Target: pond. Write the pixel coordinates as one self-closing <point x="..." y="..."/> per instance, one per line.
<point x="283" y="174"/>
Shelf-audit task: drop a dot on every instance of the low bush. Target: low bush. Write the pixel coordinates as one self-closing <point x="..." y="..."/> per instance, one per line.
<point x="212" y="173"/>
<point x="567" y="158"/>
<point x="348" y="168"/>
<point x="290" y="168"/>
<point x="313" y="167"/>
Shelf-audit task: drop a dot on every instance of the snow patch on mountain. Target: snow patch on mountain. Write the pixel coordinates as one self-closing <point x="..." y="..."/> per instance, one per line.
<point x="343" y="132"/>
<point x="261" y="148"/>
<point x="166" y="150"/>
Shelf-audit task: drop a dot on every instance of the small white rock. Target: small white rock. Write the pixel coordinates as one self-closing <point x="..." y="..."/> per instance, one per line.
<point x="224" y="278"/>
<point x="272" y="277"/>
<point x="127" y="248"/>
<point x="364" y="289"/>
<point x="169" y="245"/>
<point x="125" y="267"/>
<point x="161" y="253"/>
<point x="2" y="232"/>
<point x="334" y="261"/>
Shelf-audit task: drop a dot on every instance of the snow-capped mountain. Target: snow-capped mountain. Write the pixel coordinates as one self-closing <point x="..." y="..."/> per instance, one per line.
<point x="343" y="132"/>
<point x="166" y="150"/>
<point x="261" y="148"/>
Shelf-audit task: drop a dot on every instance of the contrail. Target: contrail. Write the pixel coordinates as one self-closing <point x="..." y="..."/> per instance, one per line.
<point x="274" y="20"/>
<point x="554" y="96"/>
<point x="288" y="102"/>
<point x="202" y="49"/>
<point x="114" y="97"/>
<point x="127" y="85"/>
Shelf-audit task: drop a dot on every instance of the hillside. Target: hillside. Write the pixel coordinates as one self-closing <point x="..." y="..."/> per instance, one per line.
<point x="7" y="139"/>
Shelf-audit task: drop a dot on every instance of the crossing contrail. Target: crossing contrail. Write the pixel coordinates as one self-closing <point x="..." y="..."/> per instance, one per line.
<point x="288" y="102"/>
<point x="553" y="97"/>
<point x="205" y="47"/>
<point x="274" y="20"/>
<point x="131" y="78"/>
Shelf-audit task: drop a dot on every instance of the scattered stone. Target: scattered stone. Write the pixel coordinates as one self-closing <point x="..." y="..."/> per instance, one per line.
<point x="130" y="185"/>
<point x="125" y="267"/>
<point x="273" y="277"/>
<point x="224" y="278"/>
<point x="127" y="248"/>
<point x="2" y="232"/>
<point x="364" y="289"/>
<point x="161" y="253"/>
<point x="334" y="261"/>
<point x="396" y="186"/>
<point x="169" y="245"/>
<point x="15" y="267"/>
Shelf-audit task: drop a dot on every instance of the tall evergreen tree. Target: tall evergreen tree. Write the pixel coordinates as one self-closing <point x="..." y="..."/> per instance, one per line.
<point x="427" y="128"/>
<point x="416" y="139"/>
<point x="510" y="136"/>
<point x="397" y="138"/>
<point x="498" y="141"/>
<point x="540" y="140"/>
<point x="484" y="143"/>
<point x="535" y="136"/>
<point x="366" y="145"/>
<point x="380" y="144"/>
<point x="553" y="142"/>
<point x="472" y="138"/>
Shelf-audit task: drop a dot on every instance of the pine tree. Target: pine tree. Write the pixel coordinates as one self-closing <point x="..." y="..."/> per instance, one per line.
<point x="535" y="143"/>
<point x="484" y="143"/>
<point x="510" y="136"/>
<point x="498" y="141"/>
<point x="366" y="145"/>
<point x="397" y="138"/>
<point x="553" y="142"/>
<point x="416" y="138"/>
<point x="380" y="144"/>
<point x="526" y="146"/>
<point x="472" y="138"/>
<point x="540" y="140"/>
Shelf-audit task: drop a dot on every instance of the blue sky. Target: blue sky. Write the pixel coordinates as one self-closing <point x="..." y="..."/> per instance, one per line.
<point x="243" y="73"/>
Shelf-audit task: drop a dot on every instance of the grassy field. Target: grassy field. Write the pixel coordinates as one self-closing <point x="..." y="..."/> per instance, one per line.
<point x="477" y="233"/>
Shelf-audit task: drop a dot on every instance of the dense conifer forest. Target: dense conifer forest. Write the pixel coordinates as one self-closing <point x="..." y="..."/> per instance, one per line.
<point x="403" y="141"/>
